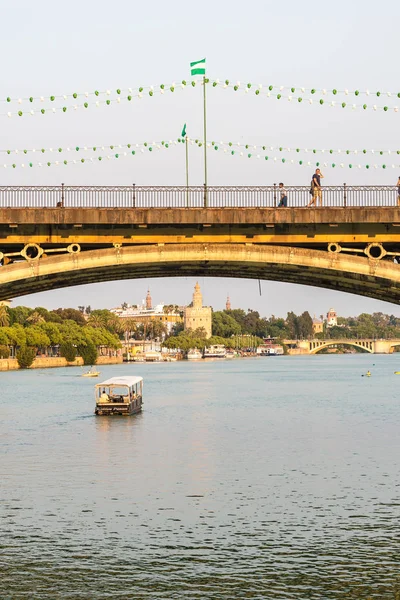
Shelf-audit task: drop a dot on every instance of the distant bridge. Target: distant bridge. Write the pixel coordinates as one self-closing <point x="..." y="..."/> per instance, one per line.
<point x="58" y="236"/>
<point x="368" y="345"/>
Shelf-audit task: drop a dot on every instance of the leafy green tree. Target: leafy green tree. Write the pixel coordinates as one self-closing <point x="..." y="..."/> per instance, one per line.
<point x="16" y="335"/>
<point x="52" y="330"/>
<point x="25" y="356"/>
<point x="291" y="325"/>
<point x="19" y="314"/>
<point x="36" y="337"/>
<point x="68" y="351"/>
<point x="223" y="324"/>
<point x="70" y="314"/>
<point x="304" y="326"/>
<point x="89" y="353"/>
<point x="4" y="351"/>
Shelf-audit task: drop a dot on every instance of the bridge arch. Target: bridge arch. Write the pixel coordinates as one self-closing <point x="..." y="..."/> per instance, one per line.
<point x="342" y="272"/>
<point x="366" y="345"/>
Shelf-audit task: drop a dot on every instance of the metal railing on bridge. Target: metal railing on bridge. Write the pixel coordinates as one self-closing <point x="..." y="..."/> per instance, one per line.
<point x="135" y="196"/>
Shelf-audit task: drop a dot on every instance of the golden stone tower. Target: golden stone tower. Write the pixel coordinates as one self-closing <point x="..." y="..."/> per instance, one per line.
<point x="197" y="315"/>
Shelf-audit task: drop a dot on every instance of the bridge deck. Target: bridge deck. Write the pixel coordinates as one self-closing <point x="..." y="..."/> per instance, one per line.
<point x="200" y="216"/>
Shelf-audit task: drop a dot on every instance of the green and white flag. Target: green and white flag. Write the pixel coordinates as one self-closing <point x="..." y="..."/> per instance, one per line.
<point x="183" y="134"/>
<point x="198" y="67"/>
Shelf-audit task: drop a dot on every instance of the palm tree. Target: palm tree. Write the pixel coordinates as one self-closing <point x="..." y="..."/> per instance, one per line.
<point x="4" y="316"/>
<point x="96" y="321"/>
<point x="35" y="318"/>
<point x="158" y="329"/>
<point x="128" y="326"/>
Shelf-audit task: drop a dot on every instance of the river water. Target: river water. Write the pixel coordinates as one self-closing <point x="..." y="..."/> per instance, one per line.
<point x="270" y="478"/>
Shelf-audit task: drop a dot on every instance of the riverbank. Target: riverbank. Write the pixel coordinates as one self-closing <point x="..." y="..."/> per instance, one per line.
<point x="51" y="362"/>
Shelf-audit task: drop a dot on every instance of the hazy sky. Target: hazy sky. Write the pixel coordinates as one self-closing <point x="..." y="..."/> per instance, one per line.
<point x="59" y="48"/>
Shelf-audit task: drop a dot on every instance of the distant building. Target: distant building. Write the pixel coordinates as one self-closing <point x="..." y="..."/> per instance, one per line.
<point x="149" y="303"/>
<point x="317" y="325"/>
<point x="197" y="315"/>
<point x="145" y="313"/>
<point x="331" y="318"/>
<point x="228" y="304"/>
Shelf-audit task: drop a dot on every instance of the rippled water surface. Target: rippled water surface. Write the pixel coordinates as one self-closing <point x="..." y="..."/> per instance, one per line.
<point x="273" y="478"/>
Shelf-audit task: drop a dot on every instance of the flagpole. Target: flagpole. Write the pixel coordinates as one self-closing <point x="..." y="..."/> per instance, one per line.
<point x="205" y="140"/>
<point x="187" y="172"/>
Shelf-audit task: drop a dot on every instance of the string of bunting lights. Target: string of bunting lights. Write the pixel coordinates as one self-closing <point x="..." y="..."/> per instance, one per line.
<point x="117" y="97"/>
<point x="151" y="89"/>
<point x="138" y="150"/>
<point x="96" y="148"/>
<point x="263" y="148"/>
<point x="223" y="144"/>
<point x="271" y="92"/>
<point x="292" y="94"/>
<point x="228" y="149"/>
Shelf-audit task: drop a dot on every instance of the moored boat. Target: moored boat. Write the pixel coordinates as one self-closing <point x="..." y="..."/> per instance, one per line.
<point x="215" y="351"/>
<point x="119" y="396"/>
<point x="194" y="354"/>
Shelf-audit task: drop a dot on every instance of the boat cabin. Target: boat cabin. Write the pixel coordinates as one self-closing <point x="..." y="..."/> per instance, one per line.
<point x="119" y="396"/>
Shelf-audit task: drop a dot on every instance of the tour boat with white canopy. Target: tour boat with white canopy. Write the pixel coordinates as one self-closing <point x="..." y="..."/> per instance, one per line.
<point x="119" y="396"/>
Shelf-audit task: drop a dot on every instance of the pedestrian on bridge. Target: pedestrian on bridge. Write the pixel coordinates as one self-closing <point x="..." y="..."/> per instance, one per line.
<point x="316" y="189"/>
<point x="398" y="192"/>
<point x="283" y="200"/>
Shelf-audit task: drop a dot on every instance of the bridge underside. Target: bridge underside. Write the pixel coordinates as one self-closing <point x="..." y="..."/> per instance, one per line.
<point x="364" y="348"/>
<point x="341" y="272"/>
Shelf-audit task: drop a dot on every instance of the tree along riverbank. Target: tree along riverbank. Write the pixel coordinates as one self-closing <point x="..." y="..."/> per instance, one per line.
<point x="50" y="362"/>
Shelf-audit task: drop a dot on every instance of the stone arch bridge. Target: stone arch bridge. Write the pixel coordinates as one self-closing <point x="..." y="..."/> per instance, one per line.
<point x="59" y="236"/>
<point x="368" y="345"/>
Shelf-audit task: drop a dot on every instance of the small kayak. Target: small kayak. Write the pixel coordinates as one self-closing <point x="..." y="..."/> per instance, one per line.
<point x="367" y="374"/>
<point x="397" y="372"/>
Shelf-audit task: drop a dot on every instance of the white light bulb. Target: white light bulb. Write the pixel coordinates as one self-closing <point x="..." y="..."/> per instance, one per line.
<point x="19" y="100"/>
<point x="87" y="94"/>
<point x="8" y="114"/>
<point x="41" y="99"/>
<point x="108" y="92"/>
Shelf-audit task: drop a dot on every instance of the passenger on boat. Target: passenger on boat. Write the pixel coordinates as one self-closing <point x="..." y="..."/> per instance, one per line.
<point x="104" y="397"/>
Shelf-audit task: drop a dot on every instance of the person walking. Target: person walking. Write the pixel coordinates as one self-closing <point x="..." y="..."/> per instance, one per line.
<point x="316" y="189"/>
<point x="398" y="192"/>
<point x="283" y="200"/>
